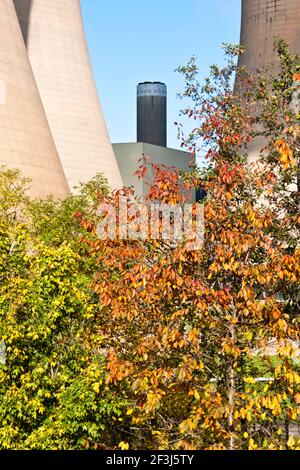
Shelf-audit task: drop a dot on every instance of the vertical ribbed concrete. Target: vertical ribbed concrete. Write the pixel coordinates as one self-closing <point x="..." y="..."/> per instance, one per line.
<point x="262" y="22"/>
<point x="56" y="43"/>
<point x="25" y="138"/>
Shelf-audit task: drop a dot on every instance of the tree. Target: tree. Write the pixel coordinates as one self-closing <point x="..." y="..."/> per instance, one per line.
<point x="146" y="343"/>
<point x="188" y="334"/>
<point x="52" y="384"/>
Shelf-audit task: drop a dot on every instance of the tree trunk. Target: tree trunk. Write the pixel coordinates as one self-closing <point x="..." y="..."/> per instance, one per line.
<point x="231" y="396"/>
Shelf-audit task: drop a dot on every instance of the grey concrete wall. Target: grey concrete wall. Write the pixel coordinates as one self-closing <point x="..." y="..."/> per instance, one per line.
<point x="129" y="154"/>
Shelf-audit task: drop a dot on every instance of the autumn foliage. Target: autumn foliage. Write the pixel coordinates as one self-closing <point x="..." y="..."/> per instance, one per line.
<point x="205" y="342"/>
<point x="145" y="343"/>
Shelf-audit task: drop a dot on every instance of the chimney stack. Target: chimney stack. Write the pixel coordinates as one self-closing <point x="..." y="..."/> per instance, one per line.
<point x="152" y="113"/>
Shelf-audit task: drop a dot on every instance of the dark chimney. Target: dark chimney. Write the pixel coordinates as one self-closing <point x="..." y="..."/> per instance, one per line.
<point x="152" y="113"/>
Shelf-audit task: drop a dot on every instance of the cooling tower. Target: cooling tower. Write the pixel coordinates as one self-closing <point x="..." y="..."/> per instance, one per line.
<point x="25" y="137"/>
<point x="262" y="22"/>
<point x="54" y="34"/>
<point x="152" y="113"/>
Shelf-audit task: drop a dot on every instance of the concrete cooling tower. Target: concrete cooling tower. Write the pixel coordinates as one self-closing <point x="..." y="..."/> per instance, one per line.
<point x="56" y="43"/>
<point x="25" y="138"/>
<point x="262" y="22"/>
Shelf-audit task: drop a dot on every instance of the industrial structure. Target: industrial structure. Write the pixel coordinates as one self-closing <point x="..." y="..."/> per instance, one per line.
<point x="129" y="155"/>
<point x="55" y="39"/>
<point x="262" y="22"/>
<point x="151" y="139"/>
<point x="51" y="123"/>
<point x="25" y="138"/>
<point x="152" y="113"/>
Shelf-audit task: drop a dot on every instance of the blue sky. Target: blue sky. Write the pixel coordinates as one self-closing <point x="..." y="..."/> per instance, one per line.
<point x="138" y="40"/>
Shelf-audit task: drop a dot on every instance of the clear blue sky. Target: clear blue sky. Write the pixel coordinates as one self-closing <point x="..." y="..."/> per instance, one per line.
<point x="139" y="40"/>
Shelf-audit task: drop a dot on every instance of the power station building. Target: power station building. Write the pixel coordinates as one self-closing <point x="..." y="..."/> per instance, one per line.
<point x="151" y="139"/>
<point x="51" y="123"/>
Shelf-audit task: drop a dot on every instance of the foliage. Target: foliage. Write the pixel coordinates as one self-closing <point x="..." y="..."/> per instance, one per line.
<point x="53" y="220"/>
<point x="52" y="387"/>
<point x="132" y="343"/>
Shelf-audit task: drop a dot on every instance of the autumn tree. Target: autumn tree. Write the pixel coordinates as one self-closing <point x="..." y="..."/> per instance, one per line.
<point x="205" y="342"/>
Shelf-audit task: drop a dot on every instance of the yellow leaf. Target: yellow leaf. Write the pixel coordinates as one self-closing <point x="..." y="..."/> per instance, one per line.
<point x="124" y="445"/>
<point x="96" y="387"/>
<point x="252" y="445"/>
<point x="249" y="335"/>
<point x="249" y="380"/>
<point x="291" y="442"/>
